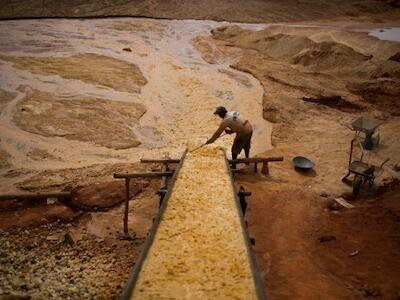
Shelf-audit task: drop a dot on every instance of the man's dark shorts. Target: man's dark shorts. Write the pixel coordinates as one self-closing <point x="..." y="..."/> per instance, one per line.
<point x="242" y="141"/>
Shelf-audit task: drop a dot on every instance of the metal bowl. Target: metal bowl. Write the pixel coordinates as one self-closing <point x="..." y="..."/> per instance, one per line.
<point x="302" y="163"/>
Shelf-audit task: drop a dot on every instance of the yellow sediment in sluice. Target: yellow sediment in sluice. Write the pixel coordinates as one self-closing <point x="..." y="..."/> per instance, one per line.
<point x="199" y="249"/>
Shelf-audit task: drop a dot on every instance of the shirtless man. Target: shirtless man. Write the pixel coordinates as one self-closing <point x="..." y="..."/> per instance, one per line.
<point x="232" y="123"/>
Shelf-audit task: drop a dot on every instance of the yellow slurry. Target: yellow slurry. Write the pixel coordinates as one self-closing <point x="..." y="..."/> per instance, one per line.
<point x="199" y="249"/>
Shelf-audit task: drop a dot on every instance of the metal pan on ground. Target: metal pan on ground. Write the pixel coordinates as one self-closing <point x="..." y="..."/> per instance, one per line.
<point x="303" y="163"/>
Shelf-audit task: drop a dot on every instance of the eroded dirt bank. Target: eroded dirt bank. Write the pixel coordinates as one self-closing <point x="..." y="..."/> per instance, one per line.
<point x="224" y="10"/>
<point x="64" y="127"/>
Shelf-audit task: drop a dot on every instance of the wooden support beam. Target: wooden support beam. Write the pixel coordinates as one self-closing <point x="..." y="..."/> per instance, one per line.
<point x="127" y="181"/>
<point x="35" y="195"/>
<point x="265" y="169"/>
<point x="256" y="159"/>
<point x="145" y="174"/>
<point x="161" y="161"/>
<point x="163" y="187"/>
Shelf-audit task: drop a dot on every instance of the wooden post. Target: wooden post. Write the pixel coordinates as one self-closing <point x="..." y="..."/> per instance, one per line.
<point x="163" y="186"/>
<point x="127" y="181"/>
<point x="265" y="169"/>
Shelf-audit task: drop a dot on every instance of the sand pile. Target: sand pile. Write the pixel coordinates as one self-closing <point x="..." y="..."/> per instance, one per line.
<point x="326" y="56"/>
<point x="342" y="66"/>
<point x="295" y="49"/>
<point x="279" y="46"/>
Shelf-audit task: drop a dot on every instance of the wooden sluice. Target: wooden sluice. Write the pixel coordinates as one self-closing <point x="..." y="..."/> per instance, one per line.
<point x="198" y="247"/>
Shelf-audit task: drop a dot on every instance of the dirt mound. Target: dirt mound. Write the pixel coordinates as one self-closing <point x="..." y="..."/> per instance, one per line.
<point x="336" y="102"/>
<point x="329" y="55"/>
<point x="102" y="196"/>
<point x="384" y="95"/>
<point x="280" y="46"/>
<point x="101" y="122"/>
<point x="89" y="67"/>
<point x="294" y="49"/>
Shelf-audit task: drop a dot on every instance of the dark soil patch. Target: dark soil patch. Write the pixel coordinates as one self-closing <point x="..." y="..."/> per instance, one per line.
<point x="336" y="102"/>
<point x="382" y="95"/>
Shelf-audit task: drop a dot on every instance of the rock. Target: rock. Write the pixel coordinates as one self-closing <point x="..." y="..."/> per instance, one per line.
<point x="70" y="238"/>
<point x="53" y="237"/>
<point x="51" y="201"/>
<point x="127" y="49"/>
<point x="324" y="194"/>
<point x="326" y="238"/>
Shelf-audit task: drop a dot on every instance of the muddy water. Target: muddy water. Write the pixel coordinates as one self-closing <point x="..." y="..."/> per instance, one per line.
<point x="180" y="96"/>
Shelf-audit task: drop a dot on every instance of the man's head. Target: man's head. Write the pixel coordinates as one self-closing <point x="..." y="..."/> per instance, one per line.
<point x="220" y="111"/>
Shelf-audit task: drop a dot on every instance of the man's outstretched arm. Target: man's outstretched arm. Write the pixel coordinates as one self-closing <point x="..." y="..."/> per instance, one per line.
<point x="217" y="133"/>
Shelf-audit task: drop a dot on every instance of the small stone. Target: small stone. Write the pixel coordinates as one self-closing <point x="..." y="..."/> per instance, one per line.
<point x="324" y="194"/>
<point x="127" y="49"/>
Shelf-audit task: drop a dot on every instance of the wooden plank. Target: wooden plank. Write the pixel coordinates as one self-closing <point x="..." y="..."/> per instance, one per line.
<point x="161" y="161"/>
<point x="145" y="174"/>
<point x="35" y="195"/>
<point x="344" y="203"/>
<point x="256" y="159"/>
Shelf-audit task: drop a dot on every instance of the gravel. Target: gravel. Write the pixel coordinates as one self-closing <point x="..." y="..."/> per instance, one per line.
<point x="35" y="267"/>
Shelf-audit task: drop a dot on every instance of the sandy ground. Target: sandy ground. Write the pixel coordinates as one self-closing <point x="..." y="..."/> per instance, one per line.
<point x="188" y="70"/>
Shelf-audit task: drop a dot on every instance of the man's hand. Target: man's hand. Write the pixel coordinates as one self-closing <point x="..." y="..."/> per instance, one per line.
<point x="228" y="131"/>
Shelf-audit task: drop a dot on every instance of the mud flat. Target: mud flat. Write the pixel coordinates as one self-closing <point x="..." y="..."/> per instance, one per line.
<point x="98" y="121"/>
<point x="150" y="99"/>
<point x="88" y="67"/>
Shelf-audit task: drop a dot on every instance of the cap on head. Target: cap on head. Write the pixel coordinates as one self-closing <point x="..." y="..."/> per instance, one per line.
<point x="220" y="111"/>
